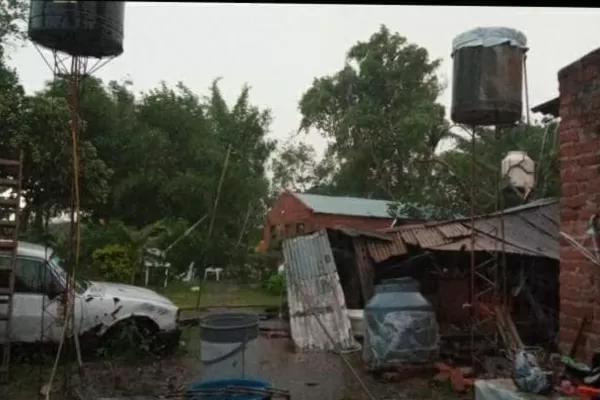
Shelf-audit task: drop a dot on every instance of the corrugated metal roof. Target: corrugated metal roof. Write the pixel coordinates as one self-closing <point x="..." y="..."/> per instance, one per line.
<point x="355" y="232"/>
<point x="314" y="292"/>
<point x="381" y="251"/>
<point x="530" y="229"/>
<point x="352" y="206"/>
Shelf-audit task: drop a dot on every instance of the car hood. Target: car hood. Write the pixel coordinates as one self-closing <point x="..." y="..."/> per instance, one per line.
<point x="118" y="290"/>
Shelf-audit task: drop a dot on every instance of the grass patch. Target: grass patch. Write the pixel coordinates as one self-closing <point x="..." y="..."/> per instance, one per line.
<point x="219" y="294"/>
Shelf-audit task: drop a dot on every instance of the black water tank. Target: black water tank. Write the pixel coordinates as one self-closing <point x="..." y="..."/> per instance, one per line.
<point x="487" y="84"/>
<point x="78" y="28"/>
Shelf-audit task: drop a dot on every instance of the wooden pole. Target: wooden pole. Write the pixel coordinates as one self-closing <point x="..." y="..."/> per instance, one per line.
<point x="243" y="230"/>
<point x="214" y="212"/>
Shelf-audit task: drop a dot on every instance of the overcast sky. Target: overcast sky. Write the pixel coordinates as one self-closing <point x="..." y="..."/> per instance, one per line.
<point x="279" y="49"/>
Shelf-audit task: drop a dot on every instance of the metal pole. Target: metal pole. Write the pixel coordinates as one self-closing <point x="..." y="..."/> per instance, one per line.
<point x="472" y="297"/>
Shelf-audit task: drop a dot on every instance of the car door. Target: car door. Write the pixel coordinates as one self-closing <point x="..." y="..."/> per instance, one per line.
<point x="36" y="307"/>
<point x="31" y="303"/>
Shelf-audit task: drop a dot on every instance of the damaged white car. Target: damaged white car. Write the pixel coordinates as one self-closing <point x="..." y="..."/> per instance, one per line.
<point x="100" y="308"/>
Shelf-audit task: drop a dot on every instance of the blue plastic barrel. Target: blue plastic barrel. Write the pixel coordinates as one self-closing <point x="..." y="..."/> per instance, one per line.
<point x="202" y="390"/>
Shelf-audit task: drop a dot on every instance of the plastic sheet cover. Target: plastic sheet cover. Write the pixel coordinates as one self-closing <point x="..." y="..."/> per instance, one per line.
<point x="489" y="37"/>
<point x="400" y="337"/>
<point x="505" y="389"/>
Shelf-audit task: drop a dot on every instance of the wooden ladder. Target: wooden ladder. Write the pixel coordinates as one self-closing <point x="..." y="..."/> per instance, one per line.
<point x="11" y="172"/>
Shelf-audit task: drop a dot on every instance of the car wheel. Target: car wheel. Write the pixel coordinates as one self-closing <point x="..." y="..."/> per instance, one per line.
<point x="133" y="336"/>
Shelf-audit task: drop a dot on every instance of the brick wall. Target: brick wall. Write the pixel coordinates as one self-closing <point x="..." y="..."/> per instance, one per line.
<point x="579" y="85"/>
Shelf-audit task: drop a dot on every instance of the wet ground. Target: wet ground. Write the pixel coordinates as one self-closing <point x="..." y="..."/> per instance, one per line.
<point x="306" y="375"/>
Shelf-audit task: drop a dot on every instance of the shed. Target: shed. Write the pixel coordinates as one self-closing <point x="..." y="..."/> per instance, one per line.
<point x="300" y="213"/>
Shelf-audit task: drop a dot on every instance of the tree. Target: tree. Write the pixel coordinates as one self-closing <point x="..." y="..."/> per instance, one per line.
<point x="47" y="172"/>
<point x="453" y="168"/>
<point x="294" y="167"/>
<point x="12" y="18"/>
<point x="381" y="117"/>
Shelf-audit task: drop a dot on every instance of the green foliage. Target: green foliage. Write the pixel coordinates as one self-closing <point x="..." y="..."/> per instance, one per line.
<point x="12" y="21"/>
<point x="275" y="284"/>
<point x="380" y="116"/>
<point x="454" y="167"/>
<point x="115" y="262"/>
<point x="152" y="157"/>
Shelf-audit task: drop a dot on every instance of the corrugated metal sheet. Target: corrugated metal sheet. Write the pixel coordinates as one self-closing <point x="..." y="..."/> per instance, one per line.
<point x="454" y="230"/>
<point x="380" y="251"/>
<point x="355" y="232"/>
<point x="314" y="292"/>
<point x="353" y="206"/>
<point x="529" y="229"/>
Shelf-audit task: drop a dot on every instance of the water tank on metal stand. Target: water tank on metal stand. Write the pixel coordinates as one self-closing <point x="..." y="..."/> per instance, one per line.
<point x="487" y="83"/>
<point x="400" y="326"/>
<point x="78" y="28"/>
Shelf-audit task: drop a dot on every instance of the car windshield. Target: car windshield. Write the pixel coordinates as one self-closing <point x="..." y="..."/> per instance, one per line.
<point x="56" y="263"/>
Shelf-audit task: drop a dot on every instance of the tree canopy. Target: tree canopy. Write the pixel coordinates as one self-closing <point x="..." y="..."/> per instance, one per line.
<point x="149" y="157"/>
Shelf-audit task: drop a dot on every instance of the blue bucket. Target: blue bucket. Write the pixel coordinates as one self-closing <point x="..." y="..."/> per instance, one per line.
<point x="206" y="386"/>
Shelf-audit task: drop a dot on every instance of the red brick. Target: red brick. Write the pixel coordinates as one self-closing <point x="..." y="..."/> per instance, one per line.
<point x="585" y="174"/>
<point x="579" y="136"/>
<point x="567" y="215"/>
<point x="577" y="201"/>
<point x="569" y="189"/>
<point x="569" y="136"/>
<point x="589" y="159"/>
<point x="568" y="322"/>
<point x="567" y="150"/>
<point x="568" y="335"/>
<point x="577" y="310"/>
<point x="569" y="293"/>
<point x="570" y="256"/>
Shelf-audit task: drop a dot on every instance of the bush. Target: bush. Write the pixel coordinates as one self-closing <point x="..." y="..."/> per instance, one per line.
<point x="115" y="262"/>
<point x="275" y="284"/>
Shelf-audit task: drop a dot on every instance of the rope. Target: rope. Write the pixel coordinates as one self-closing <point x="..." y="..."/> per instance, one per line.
<point x="75" y="213"/>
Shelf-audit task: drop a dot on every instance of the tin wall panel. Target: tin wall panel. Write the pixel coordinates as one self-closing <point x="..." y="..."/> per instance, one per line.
<point x="318" y="315"/>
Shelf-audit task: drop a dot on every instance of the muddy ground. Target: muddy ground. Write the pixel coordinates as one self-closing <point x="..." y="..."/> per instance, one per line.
<point x="305" y="375"/>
